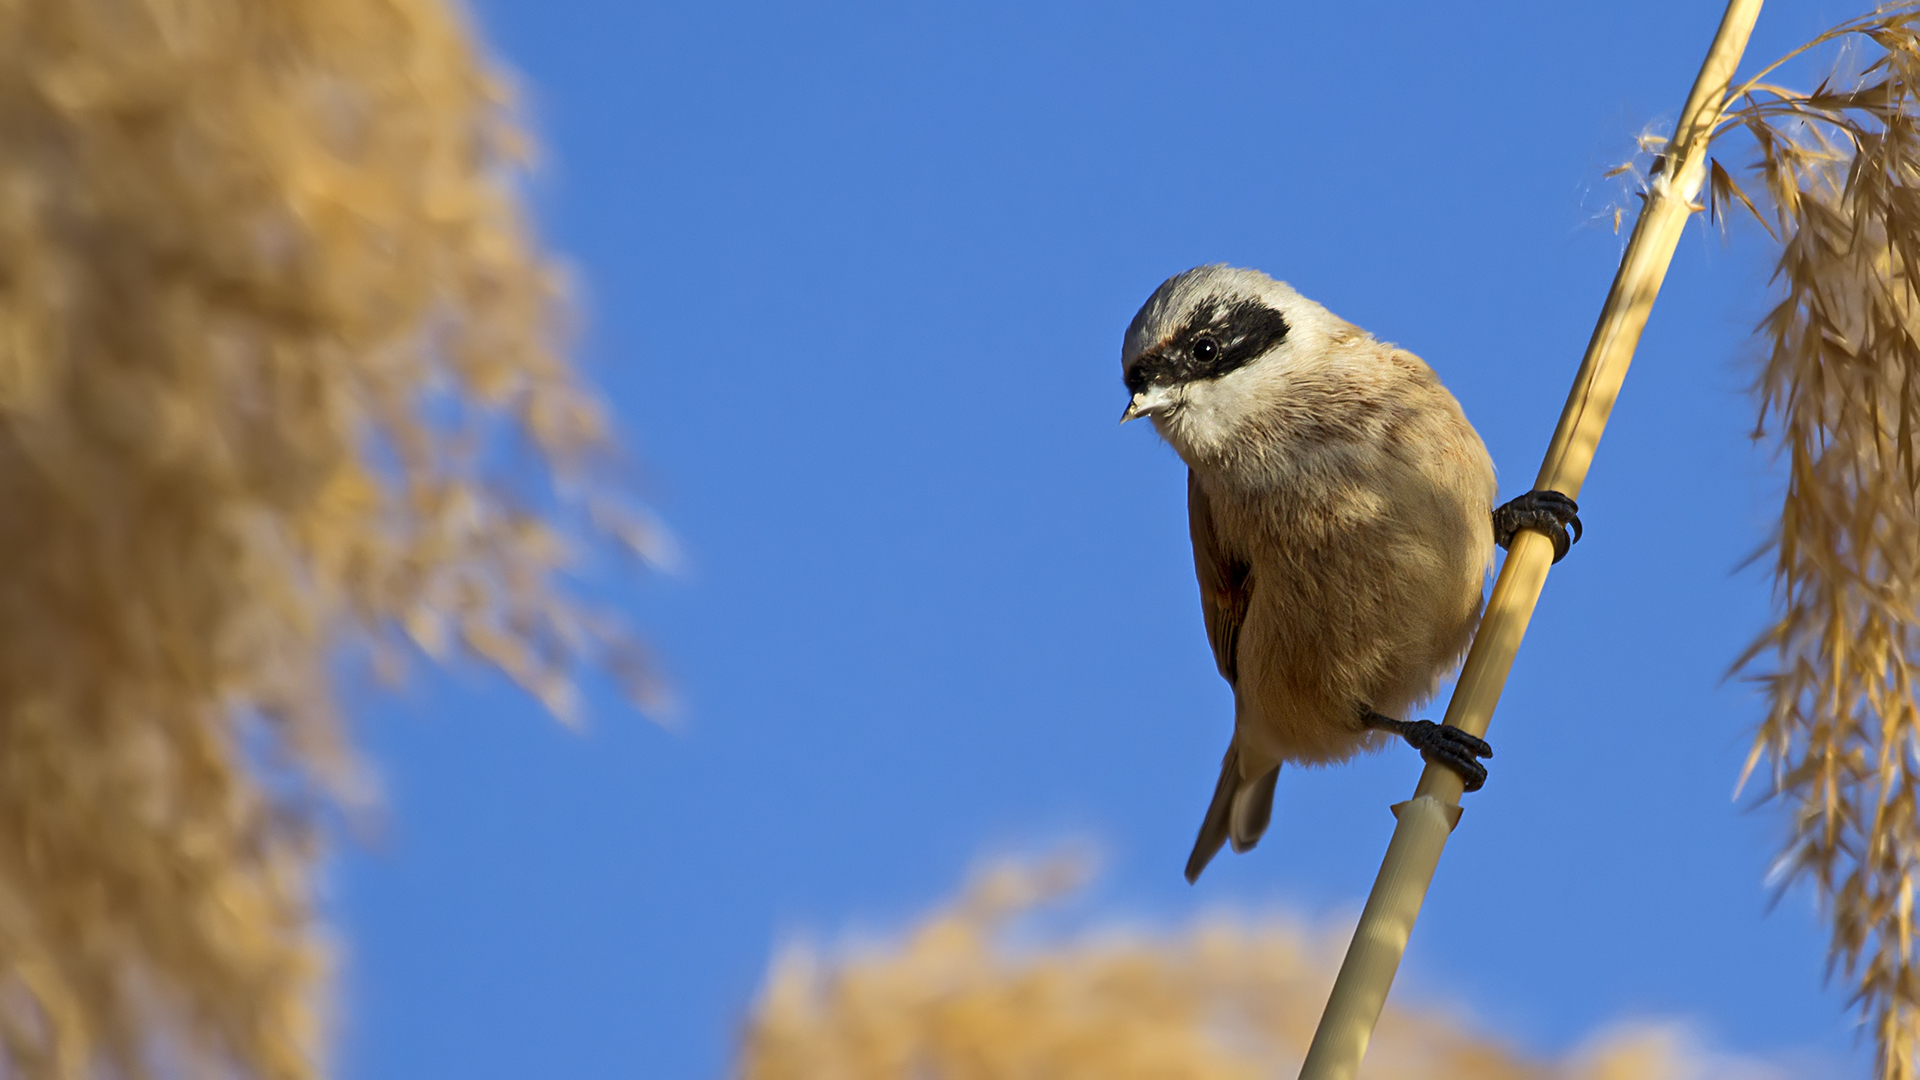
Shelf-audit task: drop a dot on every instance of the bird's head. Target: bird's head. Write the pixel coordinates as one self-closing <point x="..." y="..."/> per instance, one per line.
<point x="1212" y="345"/>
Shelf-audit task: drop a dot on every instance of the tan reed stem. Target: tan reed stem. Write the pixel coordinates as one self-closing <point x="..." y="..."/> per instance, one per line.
<point x="1425" y="821"/>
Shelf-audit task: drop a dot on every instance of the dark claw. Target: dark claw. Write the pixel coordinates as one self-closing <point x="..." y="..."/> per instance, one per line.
<point x="1449" y="746"/>
<point x="1547" y="512"/>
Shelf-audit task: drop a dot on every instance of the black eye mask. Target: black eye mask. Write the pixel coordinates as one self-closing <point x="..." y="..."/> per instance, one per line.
<point x="1219" y="338"/>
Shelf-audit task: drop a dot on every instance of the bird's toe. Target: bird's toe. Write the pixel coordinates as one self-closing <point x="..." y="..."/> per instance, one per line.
<point x="1548" y="512"/>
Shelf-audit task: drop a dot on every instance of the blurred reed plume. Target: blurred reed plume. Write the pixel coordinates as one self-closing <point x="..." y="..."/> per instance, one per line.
<point x="957" y="999"/>
<point x="1839" y="395"/>
<point x="280" y="371"/>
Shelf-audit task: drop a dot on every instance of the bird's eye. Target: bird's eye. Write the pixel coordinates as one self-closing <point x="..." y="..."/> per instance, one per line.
<point x="1205" y="349"/>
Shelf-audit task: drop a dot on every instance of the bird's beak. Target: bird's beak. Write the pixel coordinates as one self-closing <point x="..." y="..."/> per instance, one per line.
<point x="1147" y="402"/>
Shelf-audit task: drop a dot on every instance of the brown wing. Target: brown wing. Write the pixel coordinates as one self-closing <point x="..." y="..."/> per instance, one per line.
<point x="1225" y="583"/>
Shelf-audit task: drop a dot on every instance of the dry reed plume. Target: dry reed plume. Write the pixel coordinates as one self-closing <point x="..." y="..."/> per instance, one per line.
<point x="1225" y="1000"/>
<point x="273" y="339"/>
<point x="1839" y="173"/>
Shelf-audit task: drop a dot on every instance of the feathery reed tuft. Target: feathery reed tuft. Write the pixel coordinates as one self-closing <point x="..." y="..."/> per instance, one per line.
<point x="274" y="340"/>
<point x="1839" y="395"/>
<point x="1224" y="1000"/>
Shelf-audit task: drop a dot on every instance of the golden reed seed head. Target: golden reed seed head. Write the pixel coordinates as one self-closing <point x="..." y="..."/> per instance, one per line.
<point x="1839" y="398"/>
<point x="268" y="306"/>
<point x="968" y="994"/>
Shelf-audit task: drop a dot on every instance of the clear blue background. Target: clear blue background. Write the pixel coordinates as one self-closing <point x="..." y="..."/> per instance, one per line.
<point x="855" y="276"/>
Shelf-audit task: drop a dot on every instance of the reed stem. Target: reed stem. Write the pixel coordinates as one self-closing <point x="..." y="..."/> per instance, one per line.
<point x="1425" y="821"/>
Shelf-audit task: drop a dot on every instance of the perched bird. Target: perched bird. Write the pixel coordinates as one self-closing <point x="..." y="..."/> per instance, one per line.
<point x="1343" y="524"/>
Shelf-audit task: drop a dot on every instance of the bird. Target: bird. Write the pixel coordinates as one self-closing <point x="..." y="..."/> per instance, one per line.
<point x="1341" y="510"/>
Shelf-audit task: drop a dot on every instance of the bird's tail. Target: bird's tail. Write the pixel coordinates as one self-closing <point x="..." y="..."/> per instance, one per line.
<point x="1239" y="813"/>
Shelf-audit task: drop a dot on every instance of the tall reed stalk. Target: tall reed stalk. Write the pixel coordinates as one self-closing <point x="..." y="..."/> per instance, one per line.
<point x="1838" y="171"/>
<point x="1366" y="975"/>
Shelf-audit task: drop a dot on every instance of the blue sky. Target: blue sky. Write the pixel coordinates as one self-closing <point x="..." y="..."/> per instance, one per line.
<point x="855" y="277"/>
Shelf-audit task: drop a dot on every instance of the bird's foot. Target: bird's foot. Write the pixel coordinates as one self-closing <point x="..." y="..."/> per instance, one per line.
<point x="1450" y="746"/>
<point x="1547" y="512"/>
